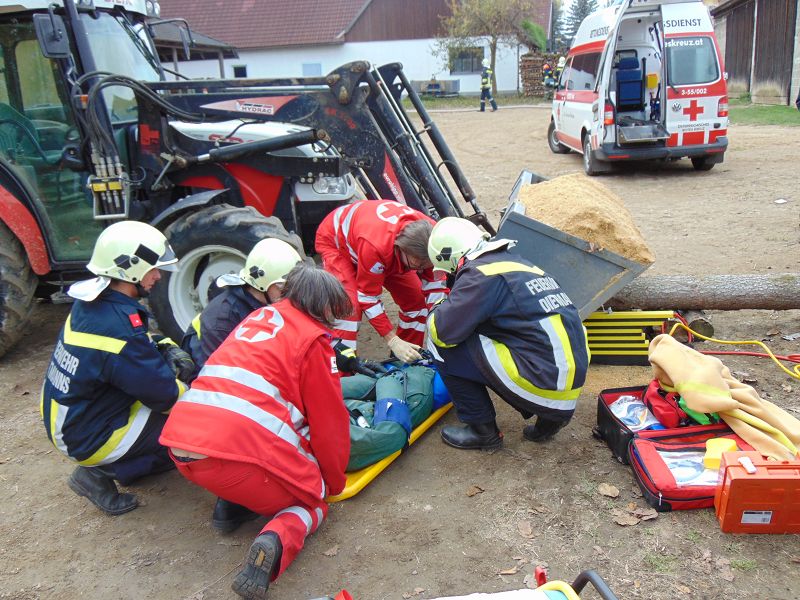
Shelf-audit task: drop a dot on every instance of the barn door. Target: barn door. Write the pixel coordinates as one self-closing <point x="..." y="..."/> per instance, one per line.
<point x="775" y="25"/>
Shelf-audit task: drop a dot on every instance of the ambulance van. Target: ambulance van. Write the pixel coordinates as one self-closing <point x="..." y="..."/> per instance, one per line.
<point x="643" y="80"/>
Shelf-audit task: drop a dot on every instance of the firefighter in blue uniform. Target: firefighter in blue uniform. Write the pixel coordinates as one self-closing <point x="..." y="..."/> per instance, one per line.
<point x="486" y="86"/>
<point x="259" y="283"/>
<point x="109" y="383"/>
<point x="507" y="326"/>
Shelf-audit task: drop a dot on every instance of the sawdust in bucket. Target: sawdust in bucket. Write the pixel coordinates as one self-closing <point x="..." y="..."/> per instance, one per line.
<point x="583" y="207"/>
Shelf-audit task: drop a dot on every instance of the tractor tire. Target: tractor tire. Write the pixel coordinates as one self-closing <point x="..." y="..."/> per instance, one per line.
<point x="209" y="243"/>
<point x="17" y="286"/>
<point x="702" y="164"/>
<point x="555" y="146"/>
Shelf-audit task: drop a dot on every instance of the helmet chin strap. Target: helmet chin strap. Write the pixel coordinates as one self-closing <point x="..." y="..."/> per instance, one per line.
<point x="143" y="293"/>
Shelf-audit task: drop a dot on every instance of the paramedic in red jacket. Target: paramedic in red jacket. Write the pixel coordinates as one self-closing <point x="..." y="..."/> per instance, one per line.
<point x="375" y="244"/>
<point x="264" y="424"/>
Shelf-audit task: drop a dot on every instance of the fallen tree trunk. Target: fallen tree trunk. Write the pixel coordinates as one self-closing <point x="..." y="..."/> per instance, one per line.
<point x="780" y="291"/>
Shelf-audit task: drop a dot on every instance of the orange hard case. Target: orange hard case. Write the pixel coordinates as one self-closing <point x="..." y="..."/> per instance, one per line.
<point x="767" y="501"/>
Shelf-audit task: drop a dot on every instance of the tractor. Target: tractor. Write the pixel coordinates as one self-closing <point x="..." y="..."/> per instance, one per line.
<point x="92" y="132"/>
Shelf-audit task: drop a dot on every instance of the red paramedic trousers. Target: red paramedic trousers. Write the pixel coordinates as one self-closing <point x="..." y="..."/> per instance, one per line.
<point x="292" y="519"/>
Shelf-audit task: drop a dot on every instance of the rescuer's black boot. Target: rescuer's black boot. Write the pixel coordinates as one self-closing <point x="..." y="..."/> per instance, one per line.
<point x="477" y="436"/>
<point x="263" y="560"/>
<point x="228" y="516"/>
<point x="100" y="489"/>
<point x="543" y="430"/>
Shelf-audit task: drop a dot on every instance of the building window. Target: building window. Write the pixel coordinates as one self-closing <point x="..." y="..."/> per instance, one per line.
<point x="312" y="69"/>
<point x="240" y="70"/>
<point x="466" y="60"/>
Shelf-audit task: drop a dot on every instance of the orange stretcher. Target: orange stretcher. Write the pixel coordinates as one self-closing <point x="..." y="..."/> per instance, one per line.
<point x="358" y="480"/>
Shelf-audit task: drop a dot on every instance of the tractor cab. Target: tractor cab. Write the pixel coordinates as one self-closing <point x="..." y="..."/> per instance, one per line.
<point x="42" y="138"/>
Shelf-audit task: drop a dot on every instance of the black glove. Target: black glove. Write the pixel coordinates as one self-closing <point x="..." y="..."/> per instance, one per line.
<point x="178" y="360"/>
<point x="346" y="359"/>
<point x="348" y="362"/>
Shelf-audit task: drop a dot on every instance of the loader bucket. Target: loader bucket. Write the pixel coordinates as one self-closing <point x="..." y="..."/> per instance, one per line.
<point x="589" y="276"/>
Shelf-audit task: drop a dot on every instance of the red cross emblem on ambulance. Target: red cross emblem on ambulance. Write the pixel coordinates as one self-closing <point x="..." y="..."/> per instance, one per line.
<point x="693" y="110"/>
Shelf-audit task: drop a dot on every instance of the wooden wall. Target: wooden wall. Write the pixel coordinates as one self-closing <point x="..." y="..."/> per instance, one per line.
<point x="775" y="24"/>
<point x="739" y="25"/>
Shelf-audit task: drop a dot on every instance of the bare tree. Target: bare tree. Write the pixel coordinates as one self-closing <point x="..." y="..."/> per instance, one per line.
<point x="489" y="22"/>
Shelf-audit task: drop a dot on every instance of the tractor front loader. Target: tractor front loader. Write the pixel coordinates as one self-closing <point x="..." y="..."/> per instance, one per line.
<point x="90" y="133"/>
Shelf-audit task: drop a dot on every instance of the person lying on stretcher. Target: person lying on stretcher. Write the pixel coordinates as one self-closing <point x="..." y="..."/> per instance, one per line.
<point x="386" y="402"/>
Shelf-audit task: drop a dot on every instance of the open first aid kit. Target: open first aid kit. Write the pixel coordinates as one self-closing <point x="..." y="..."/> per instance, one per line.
<point x="623" y="412"/>
<point x="669" y="465"/>
<point x="648" y="429"/>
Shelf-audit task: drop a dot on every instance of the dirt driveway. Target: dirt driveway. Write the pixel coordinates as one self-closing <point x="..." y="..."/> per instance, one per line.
<point x="416" y="532"/>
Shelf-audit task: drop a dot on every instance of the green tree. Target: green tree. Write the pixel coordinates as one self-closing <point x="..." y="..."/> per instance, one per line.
<point x="483" y="22"/>
<point x="535" y="35"/>
<point x="578" y="11"/>
<point x="557" y="37"/>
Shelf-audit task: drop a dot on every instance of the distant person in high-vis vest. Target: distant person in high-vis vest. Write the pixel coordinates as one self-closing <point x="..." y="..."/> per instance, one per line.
<point x="506" y="326"/>
<point x="486" y="86"/>
<point x="109" y="382"/>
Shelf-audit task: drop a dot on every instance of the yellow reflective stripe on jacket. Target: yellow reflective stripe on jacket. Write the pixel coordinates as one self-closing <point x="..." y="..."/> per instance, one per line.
<point x="58" y="415"/>
<point x="53" y="425"/>
<point x="122" y="439"/>
<point x="196" y="325"/>
<point x="91" y="340"/>
<point x="562" y="350"/>
<point x="510" y="367"/>
<point x="434" y="335"/>
<point x="508" y="266"/>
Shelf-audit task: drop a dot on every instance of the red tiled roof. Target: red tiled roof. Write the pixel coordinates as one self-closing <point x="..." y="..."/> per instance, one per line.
<point x="268" y="23"/>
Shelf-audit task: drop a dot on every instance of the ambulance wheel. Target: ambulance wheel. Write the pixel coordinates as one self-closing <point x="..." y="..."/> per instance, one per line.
<point x="552" y="141"/>
<point x="702" y="164"/>
<point x="17" y="286"/>
<point x="591" y="166"/>
<point x="209" y="243"/>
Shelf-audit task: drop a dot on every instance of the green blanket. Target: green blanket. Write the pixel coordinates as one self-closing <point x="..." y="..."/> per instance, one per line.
<point x="369" y="445"/>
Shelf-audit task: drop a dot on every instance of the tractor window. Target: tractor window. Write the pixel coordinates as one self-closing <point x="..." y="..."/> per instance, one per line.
<point x="35" y="124"/>
<point x="37" y="83"/>
<point x="3" y="81"/>
<point x="131" y="56"/>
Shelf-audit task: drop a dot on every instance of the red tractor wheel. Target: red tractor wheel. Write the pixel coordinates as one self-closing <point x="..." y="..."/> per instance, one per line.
<point x="17" y="285"/>
<point x="209" y="243"/>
